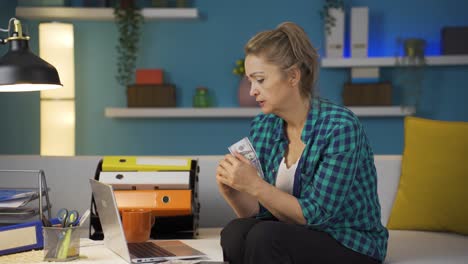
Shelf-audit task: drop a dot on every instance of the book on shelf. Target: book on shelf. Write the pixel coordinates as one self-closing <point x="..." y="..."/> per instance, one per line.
<point x="334" y="37"/>
<point x="359" y="32"/>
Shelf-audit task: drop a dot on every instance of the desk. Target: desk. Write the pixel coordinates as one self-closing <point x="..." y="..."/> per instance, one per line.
<point x="95" y="251"/>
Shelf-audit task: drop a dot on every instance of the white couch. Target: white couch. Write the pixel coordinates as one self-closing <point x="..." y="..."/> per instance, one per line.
<point x="404" y="247"/>
<point x="414" y="247"/>
<point x="70" y="176"/>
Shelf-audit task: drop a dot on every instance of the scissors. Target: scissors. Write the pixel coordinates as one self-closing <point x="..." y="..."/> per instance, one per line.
<point x="67" y="218"/>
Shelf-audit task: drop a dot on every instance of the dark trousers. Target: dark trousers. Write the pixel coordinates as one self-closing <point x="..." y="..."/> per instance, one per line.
<point x="249" y="240"/>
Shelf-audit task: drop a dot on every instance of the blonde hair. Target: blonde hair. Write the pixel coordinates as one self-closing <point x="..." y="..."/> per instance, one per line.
<point x="286" y="46"/>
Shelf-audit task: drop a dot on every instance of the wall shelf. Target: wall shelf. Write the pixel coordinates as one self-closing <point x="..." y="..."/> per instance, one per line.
<point x="448" y="60"/>
<point x="101" y="14"/>
<point x="182" y="112"/>
<point x="370" y="111"/>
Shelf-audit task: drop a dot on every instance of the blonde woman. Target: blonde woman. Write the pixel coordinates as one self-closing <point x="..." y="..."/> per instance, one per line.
<point x="318" y="201"/>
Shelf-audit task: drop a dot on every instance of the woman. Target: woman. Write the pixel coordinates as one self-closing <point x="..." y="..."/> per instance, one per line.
<point x="318" y="201"/>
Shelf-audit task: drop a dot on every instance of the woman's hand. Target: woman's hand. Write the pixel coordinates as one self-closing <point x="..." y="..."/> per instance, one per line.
<point x="237" y="173"/>
<point x="223" y="188"/>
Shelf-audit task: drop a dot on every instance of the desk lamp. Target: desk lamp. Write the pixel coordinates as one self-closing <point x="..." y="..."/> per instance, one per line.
<point x="20" y="69"/>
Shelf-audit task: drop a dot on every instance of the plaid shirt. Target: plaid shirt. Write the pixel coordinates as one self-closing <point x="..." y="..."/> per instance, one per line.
<point x="335" y="181"/>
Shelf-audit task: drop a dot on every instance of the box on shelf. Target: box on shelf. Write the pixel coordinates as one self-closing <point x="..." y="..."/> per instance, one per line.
<point x="367" y="94"/>
<point x="359" y="31"/>
<point x="454" y="40"/>
<point x="334" y="39"/>
<point x="365" y="74"/>
<point x="151" y="95"/>
<point x="149" y="76"/>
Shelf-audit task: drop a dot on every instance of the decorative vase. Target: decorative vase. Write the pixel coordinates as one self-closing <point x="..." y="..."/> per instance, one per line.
<point x="245" y="100"/>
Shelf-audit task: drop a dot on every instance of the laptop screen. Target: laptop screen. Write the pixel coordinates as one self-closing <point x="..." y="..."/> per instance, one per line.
<point x="106" y="206"/>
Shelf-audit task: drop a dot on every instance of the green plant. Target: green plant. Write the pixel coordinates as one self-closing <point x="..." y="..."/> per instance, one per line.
<point x="327" y="18"/>
<point x="129" y="22"/>
<point x="239" y="68"/>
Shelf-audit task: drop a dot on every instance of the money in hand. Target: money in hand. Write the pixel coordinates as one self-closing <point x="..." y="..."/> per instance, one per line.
<point x="245" y="148"/>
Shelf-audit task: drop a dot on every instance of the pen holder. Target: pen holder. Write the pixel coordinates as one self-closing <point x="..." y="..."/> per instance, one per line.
<point x="61" y="243"/>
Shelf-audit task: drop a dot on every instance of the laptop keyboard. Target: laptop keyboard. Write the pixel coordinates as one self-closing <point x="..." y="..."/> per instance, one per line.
<point x="148" y="250"/>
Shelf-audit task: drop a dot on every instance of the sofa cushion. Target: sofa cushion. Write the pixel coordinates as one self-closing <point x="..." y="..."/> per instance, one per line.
<point x="420" y="247"/>
<point x="432" y="190"/>
<point x="388" y="176"/>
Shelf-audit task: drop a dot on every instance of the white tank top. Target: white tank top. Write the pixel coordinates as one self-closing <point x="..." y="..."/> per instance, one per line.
<point x="285" y="177"/>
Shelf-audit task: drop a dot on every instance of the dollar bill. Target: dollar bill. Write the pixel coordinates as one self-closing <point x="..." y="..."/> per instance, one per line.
<point x="245" y="148"/>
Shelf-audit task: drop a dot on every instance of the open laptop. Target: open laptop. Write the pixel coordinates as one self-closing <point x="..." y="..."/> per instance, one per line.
<point x="114" y="236"/>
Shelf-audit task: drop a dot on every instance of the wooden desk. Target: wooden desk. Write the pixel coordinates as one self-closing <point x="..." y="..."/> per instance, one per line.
<point x="95" y="251"/>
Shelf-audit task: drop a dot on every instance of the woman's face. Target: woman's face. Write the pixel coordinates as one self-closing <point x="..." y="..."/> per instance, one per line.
<point x="268" y="84"/>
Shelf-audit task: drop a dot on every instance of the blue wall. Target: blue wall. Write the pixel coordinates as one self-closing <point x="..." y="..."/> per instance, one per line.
<point x="202" y="53"/>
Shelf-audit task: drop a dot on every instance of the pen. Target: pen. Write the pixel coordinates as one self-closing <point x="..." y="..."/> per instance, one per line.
<point x="84" y="217"/>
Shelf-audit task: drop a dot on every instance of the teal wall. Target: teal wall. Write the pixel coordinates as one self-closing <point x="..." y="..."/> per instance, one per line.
<point x="202" y="53"/>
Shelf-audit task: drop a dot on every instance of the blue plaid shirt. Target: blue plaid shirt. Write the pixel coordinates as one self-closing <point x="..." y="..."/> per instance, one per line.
<point x="335" y="181"/>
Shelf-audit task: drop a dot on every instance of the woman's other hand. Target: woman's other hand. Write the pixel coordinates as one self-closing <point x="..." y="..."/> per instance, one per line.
<point x="237" y="173"/>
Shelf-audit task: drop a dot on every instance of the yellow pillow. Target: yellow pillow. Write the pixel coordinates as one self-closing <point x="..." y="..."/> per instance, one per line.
<point x="433" y="190"/>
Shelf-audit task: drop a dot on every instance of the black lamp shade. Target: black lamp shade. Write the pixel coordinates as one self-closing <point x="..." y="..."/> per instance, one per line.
<point x="21" y="70"/>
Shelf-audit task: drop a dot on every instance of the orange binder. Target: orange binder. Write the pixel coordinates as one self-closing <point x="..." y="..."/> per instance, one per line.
<point x="162" y="202"/>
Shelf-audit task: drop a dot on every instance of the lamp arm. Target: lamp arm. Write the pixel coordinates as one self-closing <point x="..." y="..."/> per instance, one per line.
<point x="18" y="29"/>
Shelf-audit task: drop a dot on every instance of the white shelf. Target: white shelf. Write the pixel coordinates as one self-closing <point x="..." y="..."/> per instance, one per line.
<point x="448" y="60"/>
<point x="102" y="14"/>
<point x="371" y="111"/>
<point x="382" y="111"/>
<point x="182" y="112"/>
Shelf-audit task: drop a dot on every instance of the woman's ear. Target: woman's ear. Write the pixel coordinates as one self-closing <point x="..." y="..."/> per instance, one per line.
<point x="294" y="76"/>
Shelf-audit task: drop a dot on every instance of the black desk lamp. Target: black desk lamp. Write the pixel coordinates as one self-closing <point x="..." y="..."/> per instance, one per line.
<point x="20" y="69"/>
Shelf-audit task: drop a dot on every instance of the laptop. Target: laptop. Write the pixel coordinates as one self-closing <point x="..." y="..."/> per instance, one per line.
<point x="114" y="236"/>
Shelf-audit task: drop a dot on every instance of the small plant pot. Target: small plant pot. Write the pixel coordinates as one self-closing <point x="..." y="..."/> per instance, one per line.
<point x="414" y="47"/>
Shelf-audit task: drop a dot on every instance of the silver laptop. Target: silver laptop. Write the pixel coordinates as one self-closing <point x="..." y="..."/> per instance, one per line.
<point x="114" y="237"/>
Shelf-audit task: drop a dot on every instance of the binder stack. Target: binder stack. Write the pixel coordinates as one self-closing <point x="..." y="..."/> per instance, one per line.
<point x="167" y="186"/>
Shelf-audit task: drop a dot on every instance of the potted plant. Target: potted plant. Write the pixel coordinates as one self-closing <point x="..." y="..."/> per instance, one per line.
<point x="244" y="97"/>
<point x="129" y="21"/>
<point x="332" y="14"/>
